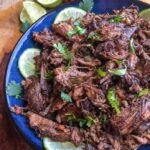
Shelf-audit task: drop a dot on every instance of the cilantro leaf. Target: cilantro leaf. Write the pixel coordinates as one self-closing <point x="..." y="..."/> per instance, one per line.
<point x="71" y="117"/>
<point x="14" y="89"/>
<point x="94" y="36"/>
<point x="101" y="73"/>
<point x="112" y="99"/>
<point x="66" y="97"/>
<point x="82" y="123"/>
<point x="24" y="26"/>
<point x="77" y="29"/>
<point x="64" y="51"/>
<point x="49" y="75"/>
<point x="144" y="92"/>
<point x="89" y="121"/>
<point x="116" y="19"/>
<point x="86" y="5"/>
<point x="60" y="48"/>
<point x="132" y="47"/>
<point x="119" y="72"/>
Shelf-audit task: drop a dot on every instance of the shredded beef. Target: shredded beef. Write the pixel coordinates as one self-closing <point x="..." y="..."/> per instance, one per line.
<point x="93" y="82"/>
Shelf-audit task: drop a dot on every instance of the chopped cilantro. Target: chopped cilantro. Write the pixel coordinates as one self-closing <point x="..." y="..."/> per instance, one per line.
<point x="101" y="73"/>
<point x="116" y="19"/>
<point x="64" y="51"/>
<point x="49" y="75"/>
<point x="78" y="29"/>
<point x="66" y="97"/>
<point x="143" y="92"/>
<point x="86" y="5"/>
<point x="83" y="122"/>
<point x="89" y="121"/>
<point x="119" y="72"/>
<point x="132" y="47"/>
<point x="112" y="99"/>
<point x="14" y="89"/>
<point x="94" y="36"/>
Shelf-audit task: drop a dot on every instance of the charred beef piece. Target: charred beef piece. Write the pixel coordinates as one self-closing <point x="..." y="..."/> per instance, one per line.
<point x="66" y="111"/>
<point x="46" y="38"/>
<point x="87" y="61"/>
<point x="96" y="97"/>
<point x="113" y="49"/>
<point x="72" y="76"/>
<point x="55" y="58"/>
<point x="53" y="130"/>
<point x="133" y="116"/>
<point x="57" y="104"/>
<point x="63" y="28"/>
<point x="33" y="95"/>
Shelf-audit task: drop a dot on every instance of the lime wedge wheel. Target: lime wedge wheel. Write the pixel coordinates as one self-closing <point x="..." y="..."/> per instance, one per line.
<point x="49" y="3"/>
<point x="51" y="145"/>
<point x="26" y="62"/>
<point x="33" y="10"/>
<point x="24" y="16"/>
<point x="68" y="13"/>
<point x="145" y="14"/>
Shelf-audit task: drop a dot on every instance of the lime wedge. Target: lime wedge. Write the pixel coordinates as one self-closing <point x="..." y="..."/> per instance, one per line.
<point x="68" y="13"/>
<point x="24" y="16"/>
<point x="145" y="14"/>
<point x="26" y="62"/>
<point x="49" y="3"/>
<point x="51" y="145"/>
<point x="34" y="10"/>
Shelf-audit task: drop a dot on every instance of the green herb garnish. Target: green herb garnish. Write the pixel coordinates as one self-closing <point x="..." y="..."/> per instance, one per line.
<point x="25" y="26"/>
<point x="144" y="92"/>
<point x="116" y="19"/>
<point x="66" y="97"/>
<point x="78" y="29"/>
<point x="89" y="121"/>
<point x="101" y="73"/>
<point x="86" y="5"/>
<point x="71" y="117"/>
<point x="64" y="51"/>
<point x="14" y="89"/>
<point x="112" y="99"/>
<point x="94" y="36"/>
<point x="119" y="72"/>
<point x="49" y="75"/>
<point x="83" y="122"/>
<point x="132" y="47"/>
<point x="71" y="33"/>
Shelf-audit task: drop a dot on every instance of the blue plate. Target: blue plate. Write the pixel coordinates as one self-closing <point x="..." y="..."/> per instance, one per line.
<point x="100" y="6"/>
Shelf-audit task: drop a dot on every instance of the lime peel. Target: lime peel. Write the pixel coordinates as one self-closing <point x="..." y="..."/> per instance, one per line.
<point x="52" y="145"/>
<point x="49" y="3"/>
<point x="26" y="62"/>
<point x="145" y="14"/>
<point x="33" y="10"/>
<point x="70" y="12"/>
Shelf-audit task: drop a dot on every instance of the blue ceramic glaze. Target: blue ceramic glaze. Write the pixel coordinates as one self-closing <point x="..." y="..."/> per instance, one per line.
<point x="101" y="6"/>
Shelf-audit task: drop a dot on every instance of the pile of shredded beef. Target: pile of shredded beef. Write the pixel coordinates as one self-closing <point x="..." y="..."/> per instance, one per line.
<point x="92" y="82"/>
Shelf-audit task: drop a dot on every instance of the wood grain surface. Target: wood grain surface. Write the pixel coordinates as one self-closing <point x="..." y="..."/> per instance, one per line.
<point x="9" y="35"/>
